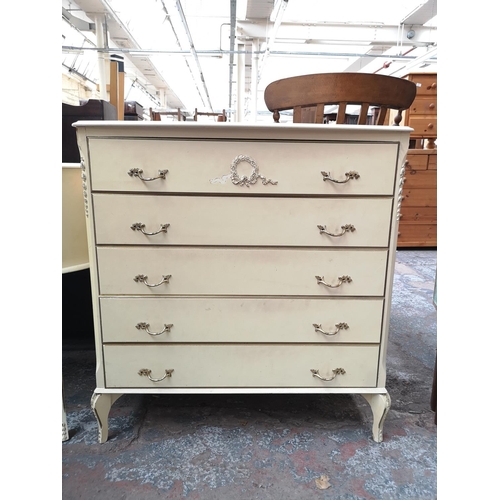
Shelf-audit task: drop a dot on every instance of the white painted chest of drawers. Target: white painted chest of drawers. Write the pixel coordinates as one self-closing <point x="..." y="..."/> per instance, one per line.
<point x="241" y="258"/>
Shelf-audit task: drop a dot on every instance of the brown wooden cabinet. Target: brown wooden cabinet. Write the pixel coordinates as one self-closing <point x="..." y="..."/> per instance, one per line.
<point x="422" y="114"/>
<point x="418" y="219"/>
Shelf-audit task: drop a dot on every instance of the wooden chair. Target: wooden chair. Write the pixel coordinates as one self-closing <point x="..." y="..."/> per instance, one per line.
<point x="221" y="117"/>
<point x="307" y="95"/>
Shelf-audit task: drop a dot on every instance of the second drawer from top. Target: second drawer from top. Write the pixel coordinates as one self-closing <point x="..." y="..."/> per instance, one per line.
<point x="209" y="220"/>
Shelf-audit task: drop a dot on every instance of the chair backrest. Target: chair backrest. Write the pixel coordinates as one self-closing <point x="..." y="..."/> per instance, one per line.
<point x="308" y="95"/>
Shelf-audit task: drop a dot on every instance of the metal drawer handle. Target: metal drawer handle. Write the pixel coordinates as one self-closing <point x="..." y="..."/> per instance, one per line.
<point x="141" y="278"/>
<point x="137" y="172"/>
<point x="145" y="326"/>
<point x="139" y="226"/>
<point x="348" y="176"/>
<point x="345" y="229"/>
<point x="342" y="279"/>
<point x="337" y="371"/>
<point x="340" y="326"/>
<point x="147" y="373"/>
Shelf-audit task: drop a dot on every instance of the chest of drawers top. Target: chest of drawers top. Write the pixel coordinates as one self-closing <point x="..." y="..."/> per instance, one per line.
<point x="234" y="131"/>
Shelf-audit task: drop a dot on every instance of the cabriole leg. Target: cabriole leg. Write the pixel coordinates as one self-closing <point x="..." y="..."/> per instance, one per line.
<point x="380" y="404"/>
<point x="101" y="404"/>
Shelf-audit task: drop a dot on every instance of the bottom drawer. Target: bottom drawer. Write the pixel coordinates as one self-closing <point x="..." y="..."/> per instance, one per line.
<point x="233" y="365"/>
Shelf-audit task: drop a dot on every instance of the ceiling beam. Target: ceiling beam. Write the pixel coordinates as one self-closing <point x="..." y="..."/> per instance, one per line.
<point x="176" y="5"/>
<point x="422" y="14"/>
<point x="121" y="36"/>
<point x="76" y="22"/>
<point x="331" y="33"/>
<point x="406" y="68"/>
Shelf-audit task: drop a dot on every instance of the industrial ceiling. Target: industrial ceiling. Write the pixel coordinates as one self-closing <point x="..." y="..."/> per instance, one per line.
<point x="221" y="54"/>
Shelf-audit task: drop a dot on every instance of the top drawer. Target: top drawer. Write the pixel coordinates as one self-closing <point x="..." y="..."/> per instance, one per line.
<point x="426" y="84"/>
<point x="215" y="167"/>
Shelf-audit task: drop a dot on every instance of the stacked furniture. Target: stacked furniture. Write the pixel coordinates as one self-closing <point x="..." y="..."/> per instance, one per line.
<point x="418" y="222"/>
<point x="421" y="116"/>
<point x="418" y="225"/>
<point x="231" y="258"/>
<point x="76" y="291"/>
<point x="89" y="109"/>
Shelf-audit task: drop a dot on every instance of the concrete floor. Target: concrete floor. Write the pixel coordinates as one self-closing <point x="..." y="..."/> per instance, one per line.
<point x="267" y="446"/>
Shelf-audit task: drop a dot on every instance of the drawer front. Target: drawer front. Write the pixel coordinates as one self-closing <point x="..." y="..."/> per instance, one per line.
<point x="240" y="271"/>
<point x="417" y="235"/>
<point x="424" y="107"/>
<point x="419" y="179"/>
<point x="423" y="125"/>
<point x="241" y="221"/>
<point x="240" y="320"/>
<point x="432" y="162"/>
<point x="419" y="197"/>
<point x="205" y="166"/>
<point x="427" y="215"/>
<point x="416" y="162"/>
<point x="426" y="84"/>
<point x="233" y="365"/>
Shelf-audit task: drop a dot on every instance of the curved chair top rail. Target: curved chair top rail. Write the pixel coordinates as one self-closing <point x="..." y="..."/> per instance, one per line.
<point x="365" y="89"/>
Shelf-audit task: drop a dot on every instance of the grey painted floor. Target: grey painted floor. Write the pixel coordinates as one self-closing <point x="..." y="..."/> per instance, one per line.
<point x="268" y="446"/>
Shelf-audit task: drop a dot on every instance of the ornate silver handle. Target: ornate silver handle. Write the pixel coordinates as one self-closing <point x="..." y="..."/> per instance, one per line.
<point x="145" y="326"/>
<point x="348" y="176"/>
<point x="137" y="172"/>
<point x="340" y="326"/>
<point x="145" y="372"/>
<point x="346" y="228"/>
<point x="139" y="226"/>
<point x="141" y="278"/>
<point x="337" y="371"/>
<point x="342" y="279"/>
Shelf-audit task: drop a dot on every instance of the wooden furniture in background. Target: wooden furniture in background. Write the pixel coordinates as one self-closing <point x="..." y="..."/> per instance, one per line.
<point x="117" y="85"/>
<point x="74" y="232"/>
<point x="307" y="95"/>
<point x="418" y="224"/>
<point x="418" y="220"/>
<point x="74" y="237"/>
<point x="422" y="114"/>
<point x="75" y="259"/>
<point x="89" y="109"/>
<point x="241" y="259"/>
<point x="156" y="115"/>
<point x="221" y="117"/>
<point x="133" y="111"/>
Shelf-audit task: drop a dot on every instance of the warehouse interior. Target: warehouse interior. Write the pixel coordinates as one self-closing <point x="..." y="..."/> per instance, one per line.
<point x="220" y="55"/>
